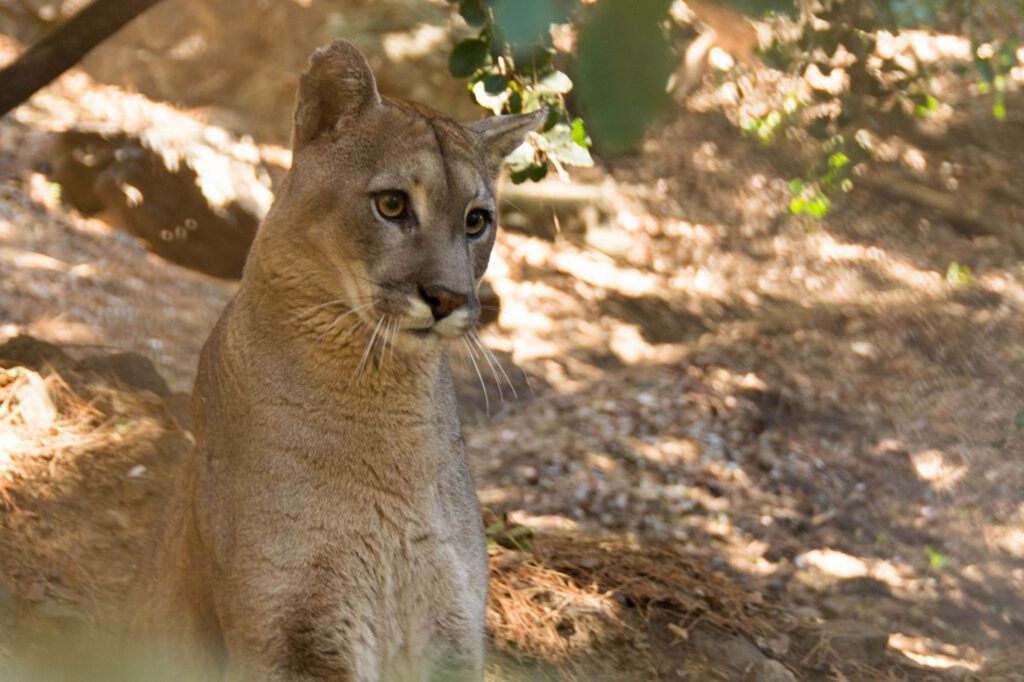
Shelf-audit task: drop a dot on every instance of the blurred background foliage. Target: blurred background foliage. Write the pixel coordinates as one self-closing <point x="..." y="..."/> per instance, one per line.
<point x="608" y="67"/>
<point x="619" y="55"/>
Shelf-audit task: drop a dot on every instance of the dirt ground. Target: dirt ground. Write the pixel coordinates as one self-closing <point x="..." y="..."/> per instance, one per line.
<point x="742" y="444"/>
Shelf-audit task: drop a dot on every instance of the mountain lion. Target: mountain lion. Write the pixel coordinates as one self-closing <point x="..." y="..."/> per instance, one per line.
<point x="326" y="526"/>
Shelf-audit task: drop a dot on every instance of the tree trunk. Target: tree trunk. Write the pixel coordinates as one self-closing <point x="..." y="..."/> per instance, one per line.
<point x="63" y="47"/>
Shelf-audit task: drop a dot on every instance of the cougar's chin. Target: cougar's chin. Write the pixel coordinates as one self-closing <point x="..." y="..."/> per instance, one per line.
<point x="418" y="322"/>
<point x="455" y="325"/>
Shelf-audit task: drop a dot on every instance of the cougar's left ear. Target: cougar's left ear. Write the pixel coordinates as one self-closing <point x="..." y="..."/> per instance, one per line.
<point x="502" y="134"/>
<point x="337" y="84"/>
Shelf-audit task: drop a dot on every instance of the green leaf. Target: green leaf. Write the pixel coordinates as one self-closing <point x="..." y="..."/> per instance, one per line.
<point x="838" y="160"/>
<point x="819" y="206"/>
<point x="936" y="559"/>
<point x="1018" y="420"/>
<point x="554" y="117"/>
<point x="474" y="12"/>
<point x="797" y="205"/>
<point x="526" y="22"/>
<point x="522" y="156"/>
<point x="1009" y="53"/>
<point x="467" y="57"/>
<point x="496" y="103"/>
<point x="515" y="103"/>
<point x="959" y="275"/>
<point x="534" y="172"/>
<point x="531" y="58"/>
<point x="495" y="84"/>
<point x="796" y="185"/>
<point x="579" y="133"/>
<point x="518" y="177"/>
<point x="999" y="106"/>
<point x="986" y="70"/>
<point x="555" y="82"/>
<point x="624" y="64"/>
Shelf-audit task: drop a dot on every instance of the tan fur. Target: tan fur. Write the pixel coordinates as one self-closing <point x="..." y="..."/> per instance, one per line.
<point x="326" y="527"/>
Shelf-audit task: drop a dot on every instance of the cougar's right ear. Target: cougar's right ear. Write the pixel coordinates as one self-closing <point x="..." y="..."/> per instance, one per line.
<point x="502" y="134"/>
<point x="337" y="85"/>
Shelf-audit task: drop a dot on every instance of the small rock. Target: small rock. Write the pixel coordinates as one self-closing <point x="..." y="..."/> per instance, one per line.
<point x="769" y="671"/>
<point x="32" y="353"/>
<point x="776" y="645"/>
<point x="837" y="606"/>
<point x="734" y="651"/>
<point x="131" y="369"/>
<point x="854" y="641"/>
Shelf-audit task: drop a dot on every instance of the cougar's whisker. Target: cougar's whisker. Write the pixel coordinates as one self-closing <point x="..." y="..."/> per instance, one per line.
<point x="318" y="306"/>
<point x="382" y="356"/>
<point x="461" y="354"/>
<point x="345" y="333"/>
<point x="489" y="353"/>
<point x="381" y="353"/>
<point x="388" y="349"/>
<point x="341" y="317"/>
<point x="377" y="354"/>
<point x="366" y="351"/>
<point x="490" y="363"/>
<point x="394" y="336"/>
<point x="487" y="401"/>
<point x="526" y="377"/>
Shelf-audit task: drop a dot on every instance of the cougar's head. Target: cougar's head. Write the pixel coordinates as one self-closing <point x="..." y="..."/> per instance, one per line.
<point x="389" y="208"/>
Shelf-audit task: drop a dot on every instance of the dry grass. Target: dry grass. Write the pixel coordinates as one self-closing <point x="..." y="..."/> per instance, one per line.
<point x="41" y="419"/>
<point x="74" y="503"/>
<point x="540" y="594"/>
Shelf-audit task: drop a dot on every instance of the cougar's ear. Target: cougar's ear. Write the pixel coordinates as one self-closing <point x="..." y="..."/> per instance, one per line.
<point x="502" y="134"/>
<point x="337" y="84"/>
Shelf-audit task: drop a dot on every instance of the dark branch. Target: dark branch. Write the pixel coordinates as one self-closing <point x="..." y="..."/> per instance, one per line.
<point x="63" y="47"/>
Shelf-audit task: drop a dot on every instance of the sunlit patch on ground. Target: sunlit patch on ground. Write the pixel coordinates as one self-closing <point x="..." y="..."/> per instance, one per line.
<point x="934" y="654"/>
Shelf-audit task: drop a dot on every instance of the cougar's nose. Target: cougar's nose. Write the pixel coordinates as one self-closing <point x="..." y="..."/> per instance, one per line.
<point x="442" y="301"/>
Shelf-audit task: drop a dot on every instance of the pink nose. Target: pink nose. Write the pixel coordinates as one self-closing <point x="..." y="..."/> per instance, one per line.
<point x="442" y="301"/>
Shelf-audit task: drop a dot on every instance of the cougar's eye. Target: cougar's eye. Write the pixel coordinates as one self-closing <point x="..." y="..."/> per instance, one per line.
<point x="477" y="221"/>
<point x="392" y="204"/>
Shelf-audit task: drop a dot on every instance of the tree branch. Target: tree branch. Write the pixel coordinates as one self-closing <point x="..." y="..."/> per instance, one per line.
<point x="63" y="47"/>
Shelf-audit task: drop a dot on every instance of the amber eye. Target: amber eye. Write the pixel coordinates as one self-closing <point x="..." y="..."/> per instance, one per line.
<point x="391" y="204"/>
<point x="476" y="221"/>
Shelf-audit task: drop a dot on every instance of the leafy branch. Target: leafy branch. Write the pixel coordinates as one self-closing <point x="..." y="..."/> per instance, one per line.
<point x="510" y="71"/>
